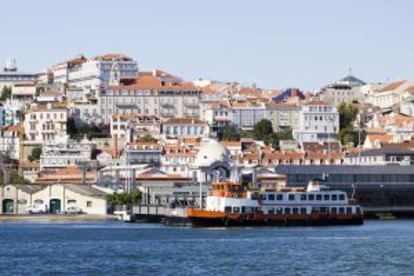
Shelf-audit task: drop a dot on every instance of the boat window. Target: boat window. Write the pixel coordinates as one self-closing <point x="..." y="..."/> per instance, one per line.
<point x="258" y="209"/>
<point x="227" y="209"/>
<point x="341" y="210"/>
<point x="236" y="209"/>
<point x="323" y="209"/>
<point x="243" y="209"/>
<point x="303" y="210"/>
<point x="291" y="197"/>
<point x="311" y="197"/>
<point x="358" y="210"/>
<point x="270" y="197"/>
<point x="318" y="197"/>
<point x="287" y="211"/>
<point x="303" y="197"/>
<point x="279" y="211"/>
<point x="295" y="210"/>
<point x="334" y="197"/>
<point x="315" y="209"/>
<point x="349" y="210"/>
<point x="279" y="197"/>
<point x="341" y="197"/>
<point x="333" y="210"/>
<point x="271" y="211"/>
<point x="253" y="196"/>
<point x="262" y="196"/>
<point x="326" y="197"/>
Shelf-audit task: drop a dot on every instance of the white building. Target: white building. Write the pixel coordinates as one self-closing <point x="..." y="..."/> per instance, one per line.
<point x="153" y="93"/>
<point x="93" y="73"/>
<point x="185" y="127"/>
<point x="318" y="121"/>
<point x="10" y="76"/>
<point x="45" y="123"/>
<point x="60" y="155"/>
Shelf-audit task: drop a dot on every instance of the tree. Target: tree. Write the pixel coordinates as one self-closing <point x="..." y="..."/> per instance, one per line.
<point x="229" y="133"/>
<point x="36" y="152"/>
<point x="275" y="138"/>
<point x="132" y="198"/>
<point x="347" y="115"/>
<point x="262" y="129"/>
<point x="147" y="139"/>
<point x="5" y="93"/>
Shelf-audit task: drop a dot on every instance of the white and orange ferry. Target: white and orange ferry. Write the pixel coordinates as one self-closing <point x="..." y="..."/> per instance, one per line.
<point x="231" y="204"/>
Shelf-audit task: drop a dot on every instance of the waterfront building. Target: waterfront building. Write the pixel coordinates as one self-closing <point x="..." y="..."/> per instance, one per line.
<point x="55" y="198"/>
<point x="382" y="156"/>
<point x="318" y="121"/>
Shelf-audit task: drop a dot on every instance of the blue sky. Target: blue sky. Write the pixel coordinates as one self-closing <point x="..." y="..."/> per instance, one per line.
<point x="274" y="44"/>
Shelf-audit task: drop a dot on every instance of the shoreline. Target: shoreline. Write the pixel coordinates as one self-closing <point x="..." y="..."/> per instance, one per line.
<point x="56" y="218"/>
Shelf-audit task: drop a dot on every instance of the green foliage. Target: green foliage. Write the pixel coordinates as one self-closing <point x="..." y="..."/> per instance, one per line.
<point x="347" y="115"/>
<point x="91" y="131"/>
<point x="262" y="129"/>
<point x="35" y="156"/>
<point x="15" y="178"/>
<point x="132" y="198"/>
<point x="5" y="93"/>
<point x="229" y="133"/>
<point x="147" y="139"/>
<point x="275" y="138"/>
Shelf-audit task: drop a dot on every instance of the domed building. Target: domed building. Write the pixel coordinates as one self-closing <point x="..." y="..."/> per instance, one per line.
<point x="213" y="162"/>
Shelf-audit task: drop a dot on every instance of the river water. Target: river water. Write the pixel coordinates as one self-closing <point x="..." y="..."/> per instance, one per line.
<point x="116" y="248"/>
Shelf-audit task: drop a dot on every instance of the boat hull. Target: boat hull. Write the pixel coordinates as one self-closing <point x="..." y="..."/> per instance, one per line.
<point x="200" y="218"/>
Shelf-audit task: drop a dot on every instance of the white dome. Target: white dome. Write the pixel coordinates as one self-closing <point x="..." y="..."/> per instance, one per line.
<point x="211" y="152"/>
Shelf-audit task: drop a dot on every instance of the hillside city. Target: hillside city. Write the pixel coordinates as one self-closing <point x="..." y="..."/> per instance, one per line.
<point x="89" y="127"/>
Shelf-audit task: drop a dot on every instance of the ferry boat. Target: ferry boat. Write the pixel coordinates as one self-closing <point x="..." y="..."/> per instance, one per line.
<point x="231" y="204"/>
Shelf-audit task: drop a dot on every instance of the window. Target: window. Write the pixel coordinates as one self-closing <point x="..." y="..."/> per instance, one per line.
<point x="341" y="210"/>
<point x="319" y="197"/>
<point x="270" y="197"/>
<point x="333" y="210"/>
<point x="271" y="211"/>
<point x="227" y="209"/>
<point x="88" y="203"/>
<point x="341" y="197"/>
<point x="326" y="197"/>
<point x="323" y="209"/>
<point x="71" y="201"/>
<point x="349" y="210"/>
<point x="262" y="196"/>
<point x="279" y="197"/>
<point x="295" y="211"/>
<point x="311" y="197"/>
<point x="287" y="211"/>
<point x="291" y="197"/>
<point x="38" y="201"/>
<point x="279" y="211"/>
<point x="303" y="197"/>
<point x="236" y="209"/>
<point x="334" y="197"/>
<point x="303" y="210"/>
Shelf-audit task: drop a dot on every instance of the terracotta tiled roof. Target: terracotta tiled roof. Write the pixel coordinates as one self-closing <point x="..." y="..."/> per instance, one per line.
<point x="383" y="138"/>
<point x="184" y="121"/>
<point x="112" y="57"/>
<point x="392" y="86"/>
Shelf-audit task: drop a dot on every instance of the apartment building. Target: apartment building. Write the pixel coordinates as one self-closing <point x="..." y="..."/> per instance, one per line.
<point x="10" y="76"/>
<point x="283" y="116"/>
<point x="152" y="93"/>
<point x="93" y="73"/>
<point x="318" y="121"/>
<point x="184" y="128"/>
<point x="132" y="126"/>
<point x="346" y="90"/>
<point x="45" y="123"/>
<point x="246" y="113"/>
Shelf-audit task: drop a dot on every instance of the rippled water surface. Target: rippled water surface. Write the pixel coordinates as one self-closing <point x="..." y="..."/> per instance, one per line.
<point x="116" y="248"/>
